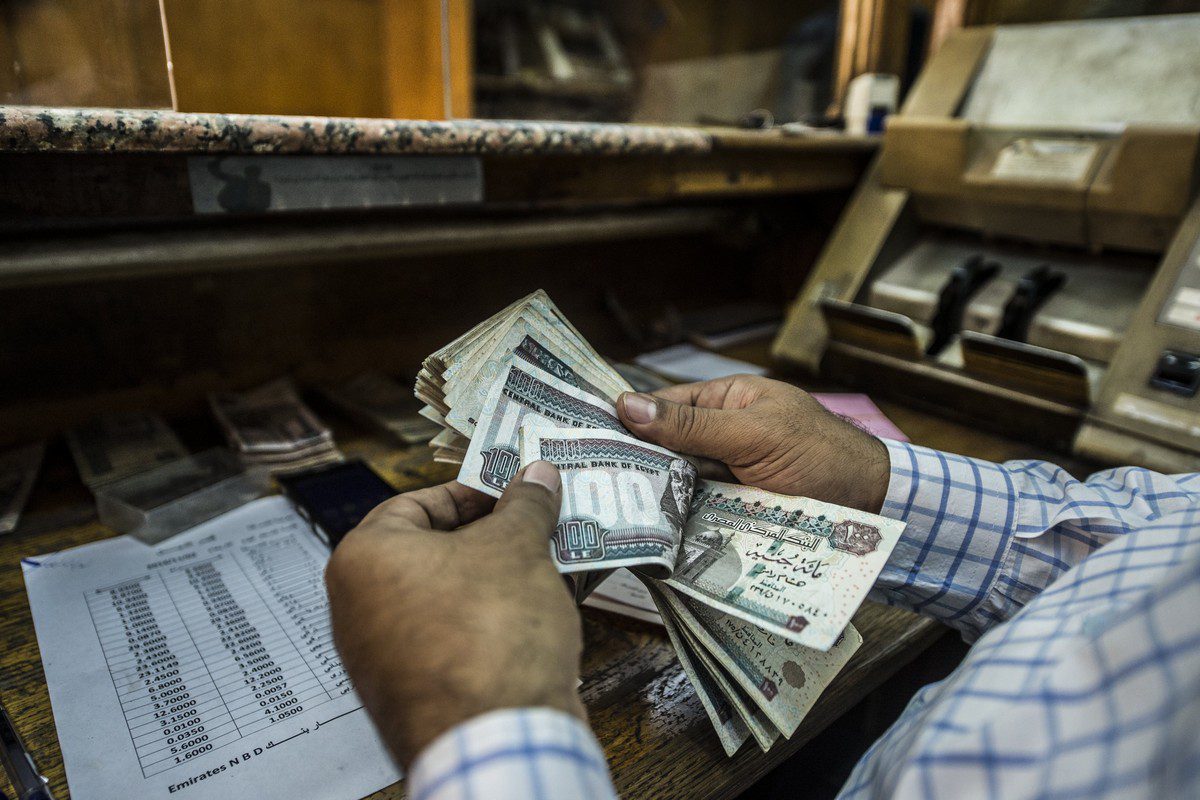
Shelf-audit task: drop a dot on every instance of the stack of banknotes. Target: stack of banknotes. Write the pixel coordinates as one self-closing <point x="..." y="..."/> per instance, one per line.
<point x="756" y="589"/>
<point x="379" y="402"/>
<point x="454" y="382"/>
<point x="270" y="427"/>
<point x="115" y="446"/>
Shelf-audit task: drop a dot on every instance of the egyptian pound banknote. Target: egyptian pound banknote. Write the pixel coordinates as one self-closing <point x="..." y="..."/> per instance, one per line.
<point x="624" y="501"/>
<point x="795" y="567"/>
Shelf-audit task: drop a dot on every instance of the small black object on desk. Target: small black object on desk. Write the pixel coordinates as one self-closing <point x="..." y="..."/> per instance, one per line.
<point x="27" y="781"/>
<point x="335" y="498"/>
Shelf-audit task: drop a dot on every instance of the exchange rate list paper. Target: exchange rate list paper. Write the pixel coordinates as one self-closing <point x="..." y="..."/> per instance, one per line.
<point x="203" y="667"/>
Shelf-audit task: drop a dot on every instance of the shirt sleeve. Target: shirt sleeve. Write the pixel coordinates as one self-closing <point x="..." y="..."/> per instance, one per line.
<point x="982" y="539"/>
<point x="516" y="753"/>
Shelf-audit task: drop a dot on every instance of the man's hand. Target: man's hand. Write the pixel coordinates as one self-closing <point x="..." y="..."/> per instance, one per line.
<point x="769" y="434"/>
<point x="441" y="613"/>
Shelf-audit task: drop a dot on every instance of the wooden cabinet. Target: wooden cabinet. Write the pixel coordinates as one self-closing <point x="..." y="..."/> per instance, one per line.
<point x="356" y="58"/>
<point x="350" y="58"/>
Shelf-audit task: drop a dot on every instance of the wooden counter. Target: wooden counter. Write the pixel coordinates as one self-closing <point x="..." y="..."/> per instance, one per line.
<point x="657" y="737"/>
<point x="119" y="165"/>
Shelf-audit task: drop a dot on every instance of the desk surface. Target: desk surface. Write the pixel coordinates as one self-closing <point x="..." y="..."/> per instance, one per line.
<point x="657" y="737"/>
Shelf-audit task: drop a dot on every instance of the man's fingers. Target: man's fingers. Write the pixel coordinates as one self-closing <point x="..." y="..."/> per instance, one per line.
<point x="709" y="394"/>
<point x="530" y="505"/>
<point x="469" y="504"/>
<point x="687" y="429"/>
<point x="713" y="470"/>
<point x="444" y="508"/>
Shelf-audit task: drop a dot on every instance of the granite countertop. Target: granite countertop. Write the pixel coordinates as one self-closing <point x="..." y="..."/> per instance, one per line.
<point x="93" y="130"/>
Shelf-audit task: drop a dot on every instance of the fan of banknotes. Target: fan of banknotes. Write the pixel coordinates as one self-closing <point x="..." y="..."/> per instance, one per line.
<point x="756" y="590"/>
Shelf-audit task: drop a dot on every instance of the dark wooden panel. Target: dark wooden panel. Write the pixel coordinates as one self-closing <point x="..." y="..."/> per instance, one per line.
<point x="71" y="350"/>
<point x="40" y="188"/>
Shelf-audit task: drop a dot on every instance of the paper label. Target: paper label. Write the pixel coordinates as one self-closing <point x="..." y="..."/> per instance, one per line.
<point x="260" y="184"/>
<point x="1045" y="160"/>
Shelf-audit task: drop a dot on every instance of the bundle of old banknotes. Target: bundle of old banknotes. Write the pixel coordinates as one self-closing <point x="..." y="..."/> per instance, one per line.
<point x="378" y="401"/>
<point x="272" y="428"/>
<point x="756" y="590"/>
<point x="114" y="446"/>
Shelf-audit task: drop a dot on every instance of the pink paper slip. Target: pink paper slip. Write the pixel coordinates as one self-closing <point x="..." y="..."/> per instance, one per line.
<point x="862" y="410"/>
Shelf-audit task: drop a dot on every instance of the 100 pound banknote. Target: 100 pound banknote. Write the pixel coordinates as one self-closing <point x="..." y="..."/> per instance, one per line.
<point x="532" y="338"/>
<point x="624" y="501"/>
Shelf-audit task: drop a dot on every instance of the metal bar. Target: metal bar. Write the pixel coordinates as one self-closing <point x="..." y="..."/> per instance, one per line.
<point x="120" y="255"/>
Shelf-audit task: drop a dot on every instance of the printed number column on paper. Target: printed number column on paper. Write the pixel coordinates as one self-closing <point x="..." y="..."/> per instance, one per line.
<point x="206" y="653"/>
<point x="169" y="699"/>
<point x="294" y="579"/>
<point x="259" y="673"/>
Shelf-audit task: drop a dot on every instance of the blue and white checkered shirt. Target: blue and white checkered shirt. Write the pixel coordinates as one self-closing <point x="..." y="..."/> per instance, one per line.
<point x="1082" y="598"/>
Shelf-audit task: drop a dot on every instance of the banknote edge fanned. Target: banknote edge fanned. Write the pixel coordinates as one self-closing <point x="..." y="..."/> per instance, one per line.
<point x="474" y="459"/>
<point x="710" y="642"/>
<point x="764" y="731"/>
<point x="463" y="406"/>
<point x="743" y="680"/>
<point x="701" y="686"/>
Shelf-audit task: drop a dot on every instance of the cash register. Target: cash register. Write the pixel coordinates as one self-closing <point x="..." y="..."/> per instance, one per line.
<point x="1025" y="251"/>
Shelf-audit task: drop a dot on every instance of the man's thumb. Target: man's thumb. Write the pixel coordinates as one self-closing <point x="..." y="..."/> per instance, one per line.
<point x="531" y="503"/>
<point x="686" y="429"/>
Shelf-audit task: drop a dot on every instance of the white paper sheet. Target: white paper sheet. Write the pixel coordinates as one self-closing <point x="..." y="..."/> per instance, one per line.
<point x="622" y="593"/>
<point x="686" y="362"/>
<point x="203" y="667"/>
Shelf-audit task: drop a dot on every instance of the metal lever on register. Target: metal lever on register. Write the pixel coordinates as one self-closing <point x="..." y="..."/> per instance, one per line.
<point x="965" y="281"/>
<point x="1033" y="290"/>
